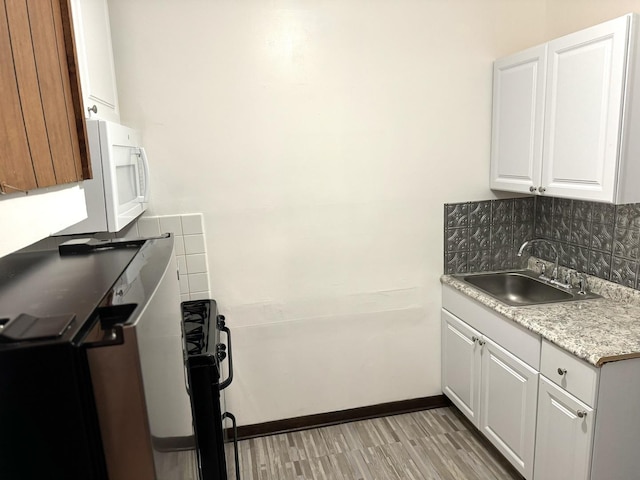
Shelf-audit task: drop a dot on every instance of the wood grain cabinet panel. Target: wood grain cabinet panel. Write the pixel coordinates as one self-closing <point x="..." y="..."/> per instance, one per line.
<point x="42" y="127"/>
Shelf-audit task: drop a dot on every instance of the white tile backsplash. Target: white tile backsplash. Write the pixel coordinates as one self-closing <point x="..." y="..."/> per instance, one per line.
<point x="179" y="244"/>
<point x="192" y="224"/>
<point x="184" y="283"/>
<point x="200" y="296"/>
<point x="196" y="263"/>
<point x="182" y="264"/>
<point x="190" y="250"/>
<point x="194" y="244"/>
<point x="198" y="282"/>
<point x="148" y="226"/>
<point x="171" y="223"/>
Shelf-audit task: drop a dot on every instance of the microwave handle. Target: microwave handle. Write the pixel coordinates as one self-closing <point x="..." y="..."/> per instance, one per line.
<point x="145" y="167"/>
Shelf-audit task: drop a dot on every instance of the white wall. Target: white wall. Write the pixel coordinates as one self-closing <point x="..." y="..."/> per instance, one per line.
<point x="29" y="217"/>
<point x="320" y="140"/>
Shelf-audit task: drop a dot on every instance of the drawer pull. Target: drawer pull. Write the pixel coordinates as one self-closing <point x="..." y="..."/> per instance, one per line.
<point x="562" y="371"/>
<point x="581" y="413"/>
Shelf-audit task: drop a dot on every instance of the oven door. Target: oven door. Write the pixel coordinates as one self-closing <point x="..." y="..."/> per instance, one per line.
<point x="211" y="372"/>
<point x="205" y="397"/>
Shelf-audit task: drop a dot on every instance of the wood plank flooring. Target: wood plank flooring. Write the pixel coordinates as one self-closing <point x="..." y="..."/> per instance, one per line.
<point x="433" y="444"/>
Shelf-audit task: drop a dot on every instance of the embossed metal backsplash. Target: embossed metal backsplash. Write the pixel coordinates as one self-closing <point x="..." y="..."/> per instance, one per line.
<point x="600" y="239"/>
<point x="483" y="236"/>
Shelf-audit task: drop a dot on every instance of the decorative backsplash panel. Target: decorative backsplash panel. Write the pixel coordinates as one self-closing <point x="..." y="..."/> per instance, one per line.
<point x="600" y="239"/>
<point x="484" y="236"/>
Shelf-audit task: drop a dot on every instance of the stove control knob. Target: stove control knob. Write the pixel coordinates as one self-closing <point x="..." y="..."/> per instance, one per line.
<point x="221" y="351"/>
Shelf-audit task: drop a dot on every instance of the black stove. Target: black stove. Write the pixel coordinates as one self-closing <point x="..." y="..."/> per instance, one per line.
<point x="207" y="355"/>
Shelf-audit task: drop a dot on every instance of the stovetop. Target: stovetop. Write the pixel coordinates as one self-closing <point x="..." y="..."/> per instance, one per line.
<point x="201" y="334"/>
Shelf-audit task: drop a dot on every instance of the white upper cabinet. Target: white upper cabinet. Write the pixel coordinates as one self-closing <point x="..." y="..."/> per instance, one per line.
<point x="518" y="107"/>
<point x="564" y="113"/>
<point x="584" y="111"/>
<point x="95" y="59"/>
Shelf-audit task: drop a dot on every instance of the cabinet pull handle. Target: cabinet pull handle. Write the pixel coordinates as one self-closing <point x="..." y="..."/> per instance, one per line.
<point x="562" y="371"/>
<point x="481" y="342"/>
<point x="532" y="189"/>
<point x="223" y="328"/>
<point x="581" y="413"/>
<point x="474" y="339"/>
<point x="93" y="109"/>
<point x="541" y="189"/>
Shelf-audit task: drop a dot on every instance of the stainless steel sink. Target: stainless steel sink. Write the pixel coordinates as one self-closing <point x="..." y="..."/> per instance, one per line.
<point x="522" y="288"/>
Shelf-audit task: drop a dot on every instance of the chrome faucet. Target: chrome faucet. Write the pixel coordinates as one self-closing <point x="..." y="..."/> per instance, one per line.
<point x="554" y="274"/>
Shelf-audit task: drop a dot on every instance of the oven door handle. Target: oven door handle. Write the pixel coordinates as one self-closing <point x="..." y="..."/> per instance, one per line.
<point x="224" y="384"/>
<point x="234" y="425"/>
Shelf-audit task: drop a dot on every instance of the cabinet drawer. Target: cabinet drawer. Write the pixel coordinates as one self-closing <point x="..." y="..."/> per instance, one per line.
<point x="521" y="342"/>
<point x="569" y="372"/>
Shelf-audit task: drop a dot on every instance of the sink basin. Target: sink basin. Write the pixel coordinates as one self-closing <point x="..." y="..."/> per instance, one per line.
<point x="521" y="288"/>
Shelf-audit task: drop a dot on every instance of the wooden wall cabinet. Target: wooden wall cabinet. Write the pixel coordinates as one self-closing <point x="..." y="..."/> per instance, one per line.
<point x="42" y="129"/>
<point x="565" y="115"/>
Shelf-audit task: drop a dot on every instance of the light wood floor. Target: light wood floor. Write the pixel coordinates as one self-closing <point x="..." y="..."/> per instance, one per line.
<point x="432" y="444"/>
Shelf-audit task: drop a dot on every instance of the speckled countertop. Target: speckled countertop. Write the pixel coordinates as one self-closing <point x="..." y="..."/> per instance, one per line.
<point x="599" y="330"/>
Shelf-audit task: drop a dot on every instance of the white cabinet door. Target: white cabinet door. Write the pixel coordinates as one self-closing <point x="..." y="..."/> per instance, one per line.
<point x="564" y="435"/>
<point x="461" y="365"/>
<point x="509" y="390"/>
<point x="95" y="58"/>
<point x="517" y="124"/>
<point x="586" y="73"/>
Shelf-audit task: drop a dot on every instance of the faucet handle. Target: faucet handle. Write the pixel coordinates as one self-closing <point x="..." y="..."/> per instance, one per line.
<point x="582" y="283"/>
<point x="569" y="274"/>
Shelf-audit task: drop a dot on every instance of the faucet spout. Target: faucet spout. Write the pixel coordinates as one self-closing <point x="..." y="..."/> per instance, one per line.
<point x="554" y="274"/>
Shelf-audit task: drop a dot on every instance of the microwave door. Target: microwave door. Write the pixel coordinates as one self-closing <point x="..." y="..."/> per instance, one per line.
<point x="128" y="169"/>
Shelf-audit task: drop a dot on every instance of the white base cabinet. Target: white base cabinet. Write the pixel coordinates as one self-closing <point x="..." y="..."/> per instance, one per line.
<point x="461" y="366"/>
<point x="509" y="389"/>
<point x="493" y="388"/>
<point x="564" y="435"/>
<point x="551" y="414"/>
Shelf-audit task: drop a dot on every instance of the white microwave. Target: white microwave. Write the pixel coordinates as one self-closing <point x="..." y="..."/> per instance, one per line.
<point x="119" y="190"/>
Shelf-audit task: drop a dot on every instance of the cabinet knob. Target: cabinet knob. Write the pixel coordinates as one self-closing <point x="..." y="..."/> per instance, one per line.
<point x="562" y="371"/>
<point x="93" y="109"/>
<point x="581" y="413"/>
<point x="541" y="189"/>
<point x="532" y="189"/>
